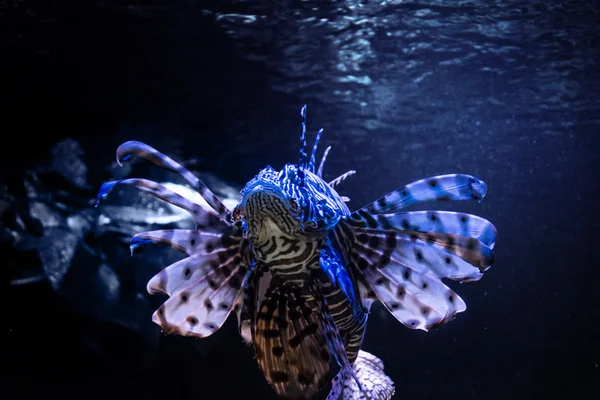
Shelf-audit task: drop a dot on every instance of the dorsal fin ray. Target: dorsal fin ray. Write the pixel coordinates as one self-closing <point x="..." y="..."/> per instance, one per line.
<point x="303" y="154"/>
<point x="313" y="154"/>
<point x="341" y="178"/>
<point x="322" y="163"/>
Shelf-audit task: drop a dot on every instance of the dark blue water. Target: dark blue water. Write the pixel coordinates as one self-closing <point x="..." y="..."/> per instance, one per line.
<point x="504" y="90"/>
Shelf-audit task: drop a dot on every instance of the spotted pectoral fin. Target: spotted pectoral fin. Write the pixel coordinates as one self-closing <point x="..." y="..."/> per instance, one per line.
<point x="455" y="223"/>
<point x="442" y="187"/>
<point x="142" y="150"/>
<point x="431" y="254"/>
<point x="404" y="270"/>
<point x="203" y="288"/>
<point x="418" y="301"/>
<point x="447" y="255"/>
<point x="290" y="342"/>
<point x="415" y="295"/>
<point x="189" y="241"/>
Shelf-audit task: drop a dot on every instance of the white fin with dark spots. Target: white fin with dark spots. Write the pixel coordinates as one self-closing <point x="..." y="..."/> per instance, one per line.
<point x="205" y="287"/>
<point x="400" y="258"/>
<point x="368" y="371"/>
<point x="450" y="222"/>
<point x="442" y="187"/>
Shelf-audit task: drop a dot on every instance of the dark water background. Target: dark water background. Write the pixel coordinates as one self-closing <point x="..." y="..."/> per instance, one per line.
<point x="505" y="90"/>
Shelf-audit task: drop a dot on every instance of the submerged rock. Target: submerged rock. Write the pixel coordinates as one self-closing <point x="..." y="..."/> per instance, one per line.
<point x="51" y="234"/>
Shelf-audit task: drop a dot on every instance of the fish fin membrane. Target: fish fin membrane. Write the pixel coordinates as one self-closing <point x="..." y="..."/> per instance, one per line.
<point x="448" y="222"/>
<point x="404" y="268"/>
<point x="206" y="286"/>
<point x="374" y="383"/>
<point x="203" y="288"/>
<point x="441" y="187"/>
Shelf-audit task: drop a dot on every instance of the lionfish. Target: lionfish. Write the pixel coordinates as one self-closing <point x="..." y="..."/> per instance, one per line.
<point x="301" y="271"/>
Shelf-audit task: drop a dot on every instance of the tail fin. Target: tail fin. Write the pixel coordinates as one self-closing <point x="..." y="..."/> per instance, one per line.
<point x="368" y="372"/>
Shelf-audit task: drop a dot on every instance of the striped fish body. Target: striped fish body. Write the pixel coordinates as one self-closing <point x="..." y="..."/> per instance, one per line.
<point x="304" y="320"/>
<point x="301" y="271"/>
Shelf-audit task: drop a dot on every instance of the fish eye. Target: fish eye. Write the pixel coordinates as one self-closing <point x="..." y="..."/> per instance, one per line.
<point x="312" y="224"/>
<point x="294" y="204"/>
<point x="238" y="215"/>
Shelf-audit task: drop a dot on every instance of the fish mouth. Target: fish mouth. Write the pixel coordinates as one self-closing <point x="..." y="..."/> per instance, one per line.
<point x="265" y="207"/>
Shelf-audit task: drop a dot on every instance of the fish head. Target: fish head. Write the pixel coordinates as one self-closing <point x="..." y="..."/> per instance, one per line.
<point x="294" y="201"/>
